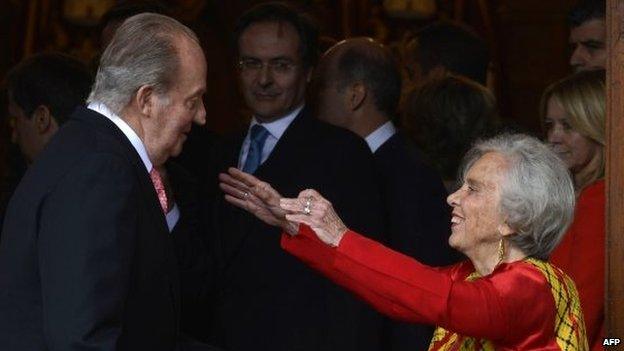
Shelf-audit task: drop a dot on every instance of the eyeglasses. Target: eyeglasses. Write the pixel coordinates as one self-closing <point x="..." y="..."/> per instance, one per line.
<point x="276" y="66"/>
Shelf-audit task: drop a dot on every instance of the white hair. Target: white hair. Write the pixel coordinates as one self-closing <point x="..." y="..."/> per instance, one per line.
<point x="537" y="193"/>
<point x="142" y="52"/>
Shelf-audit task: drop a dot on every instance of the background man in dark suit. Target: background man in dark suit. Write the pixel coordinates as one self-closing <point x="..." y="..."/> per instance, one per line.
<point x="86" y="260"/>
<point x="267" y="300"/>
<point x="43" y="91"/>
<point x="358" y="87"/>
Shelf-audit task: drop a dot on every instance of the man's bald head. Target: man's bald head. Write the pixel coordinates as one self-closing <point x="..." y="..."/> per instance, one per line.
<point x="357" y="65"/>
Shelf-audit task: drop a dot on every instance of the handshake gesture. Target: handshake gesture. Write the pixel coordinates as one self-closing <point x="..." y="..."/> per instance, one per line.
<point x="260" y="199"/>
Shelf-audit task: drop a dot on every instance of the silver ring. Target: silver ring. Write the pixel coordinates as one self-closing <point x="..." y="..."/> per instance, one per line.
<point x="306" y="208"/>
<point x="245" y="194"/>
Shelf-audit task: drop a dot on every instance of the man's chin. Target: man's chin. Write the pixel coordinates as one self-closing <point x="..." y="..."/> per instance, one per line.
<point x="268" y="116"/>
<point x="177" y="150"/>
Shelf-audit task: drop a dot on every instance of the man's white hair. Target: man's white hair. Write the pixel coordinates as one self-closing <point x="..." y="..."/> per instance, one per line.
<point x="142" y="52"/>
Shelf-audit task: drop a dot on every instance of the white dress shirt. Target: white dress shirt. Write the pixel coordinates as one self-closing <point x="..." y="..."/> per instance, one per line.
<point x="380" y="135"/>
<point x="174" y="214"/>
<point x="276" y="129"/>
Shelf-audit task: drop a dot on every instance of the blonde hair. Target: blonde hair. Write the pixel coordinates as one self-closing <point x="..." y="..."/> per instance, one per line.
<point x="582" y="96"/>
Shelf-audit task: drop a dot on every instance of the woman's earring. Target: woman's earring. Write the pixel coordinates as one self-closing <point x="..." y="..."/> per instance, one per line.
<point x="501" y="250"/>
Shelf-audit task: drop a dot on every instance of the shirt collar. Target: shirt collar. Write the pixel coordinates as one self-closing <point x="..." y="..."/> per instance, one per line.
<point x="380" y="135"/>
<point x="126" y="129"/>
<point x="278" y="127"/>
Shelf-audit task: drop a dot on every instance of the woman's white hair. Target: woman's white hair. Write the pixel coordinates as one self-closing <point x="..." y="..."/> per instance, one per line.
<point x="142" y="52"/>
<point x="537" y="194"/>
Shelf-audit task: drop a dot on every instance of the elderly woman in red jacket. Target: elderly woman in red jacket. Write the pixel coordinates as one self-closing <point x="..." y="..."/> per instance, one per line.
<point x="514" y="205"/>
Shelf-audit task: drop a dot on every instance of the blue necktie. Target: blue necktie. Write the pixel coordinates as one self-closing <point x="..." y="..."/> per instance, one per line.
<point x="258" y="136"/>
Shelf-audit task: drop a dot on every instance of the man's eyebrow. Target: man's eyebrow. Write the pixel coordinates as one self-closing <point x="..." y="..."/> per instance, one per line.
<point x="277" y="58"/>
<point x="592" y="42"/>
<point x="197" y="93"/>
<point x="281" y="58"/>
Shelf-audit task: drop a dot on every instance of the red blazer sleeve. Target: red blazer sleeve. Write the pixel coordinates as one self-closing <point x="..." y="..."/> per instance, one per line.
<point x="581" y="255"/>
<point x="403" y="288"/>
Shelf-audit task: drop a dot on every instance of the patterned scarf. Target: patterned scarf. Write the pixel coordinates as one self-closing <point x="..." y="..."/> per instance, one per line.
<point x="570" y="336"/>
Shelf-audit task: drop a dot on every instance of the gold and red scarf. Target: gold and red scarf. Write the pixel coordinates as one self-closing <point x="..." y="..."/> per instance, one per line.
<point x="570" y="336"/>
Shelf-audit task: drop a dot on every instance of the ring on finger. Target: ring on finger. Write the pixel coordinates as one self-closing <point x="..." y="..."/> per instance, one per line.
<point x="307" y="208"/>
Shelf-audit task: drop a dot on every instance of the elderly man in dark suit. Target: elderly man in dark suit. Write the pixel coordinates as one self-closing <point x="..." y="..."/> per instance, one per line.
<point x="266" y="300"/>
<point x="357" y="87"/>
<point x="86" y="260"/>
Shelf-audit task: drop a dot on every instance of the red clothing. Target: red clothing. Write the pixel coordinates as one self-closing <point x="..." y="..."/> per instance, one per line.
<point x="513" y="307"/>
<point x="581" y="254"/>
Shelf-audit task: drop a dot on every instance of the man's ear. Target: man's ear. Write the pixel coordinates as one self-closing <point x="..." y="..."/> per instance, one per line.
<point x="145" y="98"/>
<point x="43" y="119"/>
<point x="356" y="95"/>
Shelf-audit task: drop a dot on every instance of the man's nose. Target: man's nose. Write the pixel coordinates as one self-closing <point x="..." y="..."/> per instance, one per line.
<point x="200" y="117"/>
<point x="578" y="59"/>
<point x="265" y="76"/>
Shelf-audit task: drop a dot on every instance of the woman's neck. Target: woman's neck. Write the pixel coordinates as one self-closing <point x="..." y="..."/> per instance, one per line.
<point x="489" y="258"/>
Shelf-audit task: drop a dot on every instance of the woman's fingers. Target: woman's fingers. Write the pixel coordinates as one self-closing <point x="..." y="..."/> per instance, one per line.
<point x="248" y="183"/>
<point x="233" y="182"/>
<point x="306" y="205"/>
<point x="266" y="193"/>
<point x="233" y="191"/>
<point x="300" y="218"/>
<point x="311" y="193"/>
<point x="249" y="204"/>
<point x="292" y="205"/>
<point x="243" y="177"/>
<point x="236" y="201"/>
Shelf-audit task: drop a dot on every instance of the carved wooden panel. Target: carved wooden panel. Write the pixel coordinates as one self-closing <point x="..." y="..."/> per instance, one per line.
<point x="615" y="171"/>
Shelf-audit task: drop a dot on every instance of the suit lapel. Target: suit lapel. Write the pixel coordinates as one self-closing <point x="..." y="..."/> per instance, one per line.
<point x="286" y="146"/>
<point x="147" y="187"/>
<point x="147" y="190"/>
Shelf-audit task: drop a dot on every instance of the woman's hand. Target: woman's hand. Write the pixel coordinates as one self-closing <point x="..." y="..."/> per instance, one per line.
<point x="256" y="197"/>
<point x="312" y="209"/>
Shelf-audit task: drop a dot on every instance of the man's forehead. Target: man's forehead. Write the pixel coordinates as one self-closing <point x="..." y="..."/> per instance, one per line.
<point x="269" y="40"/>
<point x="270" y="30"/>
<point x="590" y="30"/>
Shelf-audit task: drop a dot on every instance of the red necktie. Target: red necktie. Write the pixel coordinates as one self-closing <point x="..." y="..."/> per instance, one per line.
<point x="160" y="190"/>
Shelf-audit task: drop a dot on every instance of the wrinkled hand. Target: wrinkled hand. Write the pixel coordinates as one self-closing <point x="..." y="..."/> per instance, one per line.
<point x="256" y="197"/>
<point x="312" y="209"/>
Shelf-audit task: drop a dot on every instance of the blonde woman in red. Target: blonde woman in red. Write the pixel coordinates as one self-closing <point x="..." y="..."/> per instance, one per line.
<point x="573" y="115"/>
<point x="514" y="205"/>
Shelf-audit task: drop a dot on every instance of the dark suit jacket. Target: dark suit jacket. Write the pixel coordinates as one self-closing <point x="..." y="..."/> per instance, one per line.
<point x="267" y="299"/>
<point x="418" y="220"/>
<point x="86" y="260"/>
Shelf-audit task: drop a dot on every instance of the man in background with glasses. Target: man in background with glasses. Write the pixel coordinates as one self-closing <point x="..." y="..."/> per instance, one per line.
<point x="264" y="299"/>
